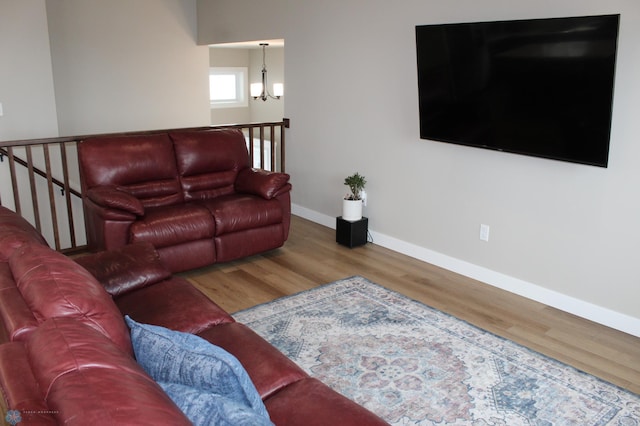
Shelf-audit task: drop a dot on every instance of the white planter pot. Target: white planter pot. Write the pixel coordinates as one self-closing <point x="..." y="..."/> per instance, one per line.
<point x="352" y="210"/>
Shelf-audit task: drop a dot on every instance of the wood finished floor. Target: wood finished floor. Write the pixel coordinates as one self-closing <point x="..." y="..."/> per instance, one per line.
<point x="311" y="257"/>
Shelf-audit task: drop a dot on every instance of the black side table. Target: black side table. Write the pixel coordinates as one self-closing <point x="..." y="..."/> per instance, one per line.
<point x="351" y="233"/>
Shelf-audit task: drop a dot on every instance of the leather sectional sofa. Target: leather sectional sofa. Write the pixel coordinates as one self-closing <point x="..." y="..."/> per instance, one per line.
<point x="66" y="353"/>
<point x="190" y="193"/>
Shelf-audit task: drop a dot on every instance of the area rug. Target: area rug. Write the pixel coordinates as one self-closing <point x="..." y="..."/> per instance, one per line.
<point x="414" y="365"/>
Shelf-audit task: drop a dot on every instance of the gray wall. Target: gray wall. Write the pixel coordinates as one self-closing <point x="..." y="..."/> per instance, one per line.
<point x="71" y="67"/>
<point x="127" y="65"/>
<point x="564" y="234"/>
<point x="26" y="78"/>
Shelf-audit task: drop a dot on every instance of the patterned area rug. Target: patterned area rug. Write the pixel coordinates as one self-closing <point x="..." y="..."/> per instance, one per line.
<point x="414" y="365"/>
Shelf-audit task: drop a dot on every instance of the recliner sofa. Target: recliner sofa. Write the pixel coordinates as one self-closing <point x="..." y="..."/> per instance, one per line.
<point x="66" y="354"/>
<point x="191" y="193"/>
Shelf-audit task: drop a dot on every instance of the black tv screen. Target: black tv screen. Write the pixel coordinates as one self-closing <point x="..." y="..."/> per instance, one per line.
<point x="539" y="87"/>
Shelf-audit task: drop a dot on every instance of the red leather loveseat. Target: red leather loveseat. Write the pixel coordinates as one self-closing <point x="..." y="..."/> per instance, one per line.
<point x="192" y="194"/>
<point x="66" y="354"/>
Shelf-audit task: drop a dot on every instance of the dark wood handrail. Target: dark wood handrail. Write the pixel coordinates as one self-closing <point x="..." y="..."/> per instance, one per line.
<point x="63" y="139"/>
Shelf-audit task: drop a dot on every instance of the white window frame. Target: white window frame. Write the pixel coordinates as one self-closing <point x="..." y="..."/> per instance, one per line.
<point x="241" y="75"/>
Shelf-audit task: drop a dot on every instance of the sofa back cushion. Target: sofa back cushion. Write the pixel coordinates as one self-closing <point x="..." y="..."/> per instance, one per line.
<point x="53" y="286"/>
<point x="208" y="161"/>
<point x="87" y="380"/>
<point x="142" y="165"/>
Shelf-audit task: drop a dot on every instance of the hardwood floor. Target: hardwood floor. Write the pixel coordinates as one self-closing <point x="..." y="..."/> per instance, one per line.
<point x="311" y="257"/>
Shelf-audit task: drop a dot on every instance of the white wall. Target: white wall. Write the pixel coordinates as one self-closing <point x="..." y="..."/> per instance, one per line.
<point x="123" y="65"/>
<point x="115" y="65"/>
<point x="26" y="87"/>
<point x="565" y="234"/>
<point x="26" y="82"/>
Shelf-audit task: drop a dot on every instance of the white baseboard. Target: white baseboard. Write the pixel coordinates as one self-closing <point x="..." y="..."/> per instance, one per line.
<point x="581" y="308"/>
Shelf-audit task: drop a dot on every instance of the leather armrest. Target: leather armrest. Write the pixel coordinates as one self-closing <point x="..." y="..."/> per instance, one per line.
<point x="127" y="268"/>
<point x="20" y="390"/>
<point x="15" y="315"/>
<point x="286" y="188"/>
<point x="260" y="182"/>
<point x="113" y="197"/>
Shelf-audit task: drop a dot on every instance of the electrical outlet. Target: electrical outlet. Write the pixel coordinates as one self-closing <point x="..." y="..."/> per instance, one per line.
<point x="484" y="232"/>
<point x="364" y="198"/>
<point x="1" y="111"/>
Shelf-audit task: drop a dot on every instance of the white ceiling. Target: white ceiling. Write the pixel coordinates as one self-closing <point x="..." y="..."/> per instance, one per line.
<point x="249" y="44"/>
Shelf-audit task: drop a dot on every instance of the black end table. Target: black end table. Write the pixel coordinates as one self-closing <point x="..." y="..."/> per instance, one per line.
<point x="351" y="233"/>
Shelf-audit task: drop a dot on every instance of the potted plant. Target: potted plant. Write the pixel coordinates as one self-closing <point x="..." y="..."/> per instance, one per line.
<point x="352" y="203"/>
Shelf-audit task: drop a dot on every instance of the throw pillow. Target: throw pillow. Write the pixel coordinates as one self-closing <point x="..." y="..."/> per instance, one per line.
<point x="205" y="408"/>
<point x="211" y="377"/>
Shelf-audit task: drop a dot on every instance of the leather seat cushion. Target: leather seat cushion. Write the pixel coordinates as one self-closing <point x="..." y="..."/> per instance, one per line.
<point x="189" y="255"/>
<point x="174" y="304"/>
<point x="316" y="404"/>
<point x="237" y="212"/>
<point x="171" y="225"/>
<point x="268" y="368"/>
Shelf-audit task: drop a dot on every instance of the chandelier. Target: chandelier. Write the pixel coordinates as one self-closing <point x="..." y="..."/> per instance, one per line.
<point x="260" y="90"/>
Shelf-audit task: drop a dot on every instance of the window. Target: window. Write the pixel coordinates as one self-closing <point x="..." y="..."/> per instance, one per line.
<point x="228" y="87"/>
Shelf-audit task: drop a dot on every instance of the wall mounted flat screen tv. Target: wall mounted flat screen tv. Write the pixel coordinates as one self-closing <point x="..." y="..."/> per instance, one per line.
<point x="539" y="87"/>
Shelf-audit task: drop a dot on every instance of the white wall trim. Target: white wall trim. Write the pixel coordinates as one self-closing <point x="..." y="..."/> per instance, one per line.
<point x="581" y="308"/>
